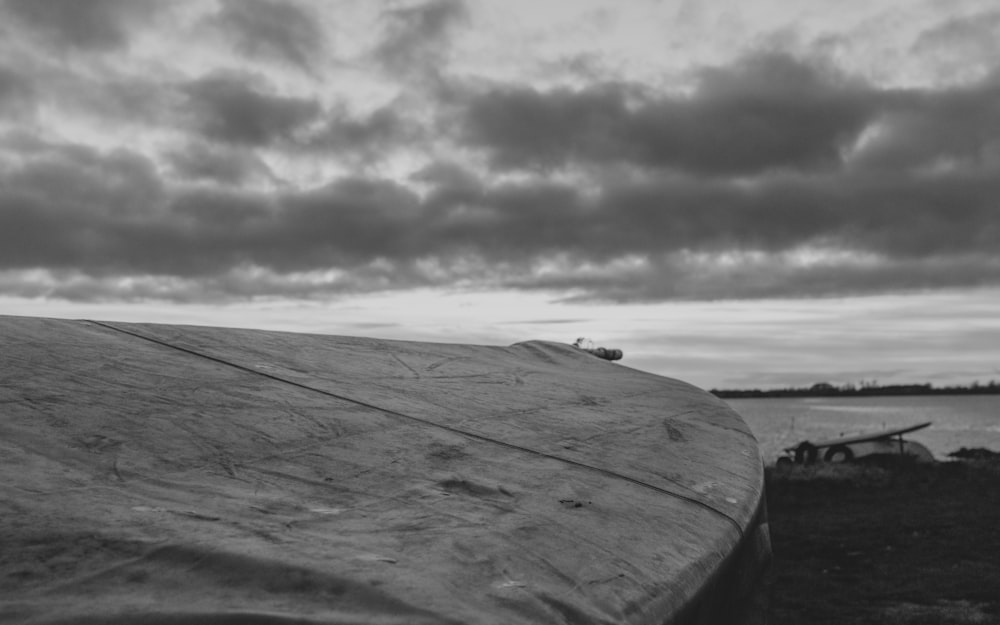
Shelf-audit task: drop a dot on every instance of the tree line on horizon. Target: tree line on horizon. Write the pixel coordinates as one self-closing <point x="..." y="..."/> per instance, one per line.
<point x="825" y="389"/>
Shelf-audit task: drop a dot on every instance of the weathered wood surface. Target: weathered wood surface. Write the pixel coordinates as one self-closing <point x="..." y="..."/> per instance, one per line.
<point x="178" y="473"/>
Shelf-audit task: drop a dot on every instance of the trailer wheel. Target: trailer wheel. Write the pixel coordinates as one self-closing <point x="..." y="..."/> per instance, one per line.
<point x="839" y="453"/>
<point x="806" y="453"/>
<point x="783" y="462"/>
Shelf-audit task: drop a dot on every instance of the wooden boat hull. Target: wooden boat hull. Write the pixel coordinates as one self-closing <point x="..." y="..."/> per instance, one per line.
<point x="181" y="474"/>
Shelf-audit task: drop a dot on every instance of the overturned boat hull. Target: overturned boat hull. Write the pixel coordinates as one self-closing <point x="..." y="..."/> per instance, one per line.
<point x="182" y="474"/>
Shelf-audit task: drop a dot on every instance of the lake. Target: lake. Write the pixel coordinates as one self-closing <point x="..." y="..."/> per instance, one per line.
<point x="958" y="420"/>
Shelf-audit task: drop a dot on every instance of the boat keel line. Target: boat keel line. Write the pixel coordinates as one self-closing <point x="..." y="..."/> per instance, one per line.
<point x="425" y="422"/>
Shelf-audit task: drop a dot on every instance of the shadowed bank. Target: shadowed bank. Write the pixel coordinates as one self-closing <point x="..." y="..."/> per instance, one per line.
<point x="176" y="474"/>
<point x="886" y="540"/>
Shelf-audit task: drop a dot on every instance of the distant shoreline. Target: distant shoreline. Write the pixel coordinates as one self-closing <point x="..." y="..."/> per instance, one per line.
<point x="824" y="390"/>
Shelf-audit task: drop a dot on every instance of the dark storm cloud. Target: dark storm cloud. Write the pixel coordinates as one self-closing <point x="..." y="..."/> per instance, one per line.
<point x="231" y="108"/>
<point x="900" y="216"/>
<point x="977" y="33"/>
<point x="268" y="29"/>
<point x="674" y="277"/>
<point x="543" y="322"/>
<point x="451" y="184"/>
<point x="17" y="93"/>
<point x="236" y="109"/>
<point x="958" y="127"/>
<point x="94" y="25"/>
<point x="922" y="216"/>
<point x="520" y="127"/>
<point x="416" y="39"/>
<point x="219" y="163"/>
<point x="67" y="202"/>
<point x="72" y="208"/>
<point x="808" y="183"/>
<point x="367" y="136"/>
<point x="141" y="103"/>
<point x="766" y="112"/>
<point x="895" y="214"/>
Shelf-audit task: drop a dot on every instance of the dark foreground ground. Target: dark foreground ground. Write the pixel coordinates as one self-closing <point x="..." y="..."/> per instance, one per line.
<point x="886" y="542"/>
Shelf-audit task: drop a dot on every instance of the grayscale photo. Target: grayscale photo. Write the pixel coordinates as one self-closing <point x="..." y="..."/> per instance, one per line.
<point x="499" y="312"/>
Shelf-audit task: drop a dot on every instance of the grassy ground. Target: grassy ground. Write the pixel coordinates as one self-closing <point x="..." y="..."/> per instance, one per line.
<point x="886" y="542"/>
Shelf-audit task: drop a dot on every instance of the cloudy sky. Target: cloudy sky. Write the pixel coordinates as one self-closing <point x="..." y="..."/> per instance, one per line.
<point x="760" y="193"/>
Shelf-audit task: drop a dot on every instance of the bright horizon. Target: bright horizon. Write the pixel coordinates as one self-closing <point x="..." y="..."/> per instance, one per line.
<point x="735" y="344"/>
<point x="774" y="194"/>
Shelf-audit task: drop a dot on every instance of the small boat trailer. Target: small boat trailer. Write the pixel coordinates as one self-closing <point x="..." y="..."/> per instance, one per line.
<point x="846" y="449"/>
